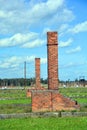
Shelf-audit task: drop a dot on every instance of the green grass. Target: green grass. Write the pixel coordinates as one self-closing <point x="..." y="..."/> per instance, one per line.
<point x="19" y="97"/>
<point x="12" y="93"/>
<point x="16" y="101"/>
<point x="75" y="123"/>
<point x="15" y="106"/>
<point x="75" y="93"/>
<point x="16" y="97"/>
<point x="68" y="123"/>
<point x="8" y="109"/>
<point x="83" y="108"/>
<point x="81" y="100"/>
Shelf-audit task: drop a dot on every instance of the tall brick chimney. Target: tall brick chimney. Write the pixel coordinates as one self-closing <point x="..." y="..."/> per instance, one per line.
<point x="37" y="71"/>
<point x="52" y="51"/>
<point x="51" y="100"/>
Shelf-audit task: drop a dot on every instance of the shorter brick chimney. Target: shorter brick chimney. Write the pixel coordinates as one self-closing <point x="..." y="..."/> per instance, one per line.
<point x="37" y="71"/>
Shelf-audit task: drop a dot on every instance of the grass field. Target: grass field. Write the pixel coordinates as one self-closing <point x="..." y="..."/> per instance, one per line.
<point x="13" y="101"/>
<point x="78" y="94"/>
<point x="10" y="99"/>
<point x="16" y="101"/>
<point x="13" y="93"/>
<point x="7" y="109"/>
<point x="73" y="92"/>
<point x="75" y="123"/>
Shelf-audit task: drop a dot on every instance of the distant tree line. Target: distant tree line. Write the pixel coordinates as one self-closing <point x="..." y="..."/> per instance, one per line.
<point x="20" y="82"/>
<point x="31" y="81"/>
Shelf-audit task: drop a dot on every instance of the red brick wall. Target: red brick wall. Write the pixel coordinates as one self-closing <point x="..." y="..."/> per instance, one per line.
<point x="52" y="51"/>
<point x="51" y="100"/>
<point x="41" y="101"/>
<point x="37" y="71"/>
<point x="28" y="94"/>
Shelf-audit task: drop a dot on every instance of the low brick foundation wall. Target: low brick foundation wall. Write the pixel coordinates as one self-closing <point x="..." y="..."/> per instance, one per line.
<point x="29" y="91"/>
<point x="51" y="100"/>
<point x="28" y="94"/>
<point x="43" y="115"/>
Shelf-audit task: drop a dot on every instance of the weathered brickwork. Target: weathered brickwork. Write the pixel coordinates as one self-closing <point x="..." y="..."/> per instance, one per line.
<point x="29" y="91"/>
<point x="52" y="49"/>
<point x="38" y="84"/>
<point x="51" y="99"/>
<point x="37" y="71"/>
<point x="41" y="100"/>
<point x="28" y="94"/>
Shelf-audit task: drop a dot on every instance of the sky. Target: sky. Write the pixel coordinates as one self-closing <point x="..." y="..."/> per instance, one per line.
<point x="23" y="36"/>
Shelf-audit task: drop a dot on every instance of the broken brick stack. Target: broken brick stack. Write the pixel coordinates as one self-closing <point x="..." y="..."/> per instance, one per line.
<point x="37" y="75"/>
<point x="37" y="71"/>
<point x="51" y="99"/>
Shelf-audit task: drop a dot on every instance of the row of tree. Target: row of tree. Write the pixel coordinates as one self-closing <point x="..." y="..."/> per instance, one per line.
<point x="20" y="82"/>
<point x="31" y="81"/>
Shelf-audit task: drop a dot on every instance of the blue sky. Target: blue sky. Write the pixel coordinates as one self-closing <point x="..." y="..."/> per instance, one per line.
<point x="23" y="28"/>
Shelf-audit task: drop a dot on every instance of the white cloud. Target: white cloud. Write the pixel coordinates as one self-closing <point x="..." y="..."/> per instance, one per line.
<point x="18" y="39"/>
<point x="63" y="27"/>
<point x="9" y="63"/>
<point x="42" y="10"/>
<point x="81" y="27"/>
<point x="34" y="43"/>
<point x="43" y="60"/>
<point x="45" y="9"/>
<point x="73" y="64"/>
<point x="67" y="15"/>
<point x="66" y="43"/>
<point x="70" y="64"/>
<point x="77" y="49"/>
<point x="18" y="16"/>
<point x="29" y="58"/>
<point x="46" y="30"/>
<point x="14" y="61"/>
<point x="2" y="14"/>
<point x="62" y="15"/>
